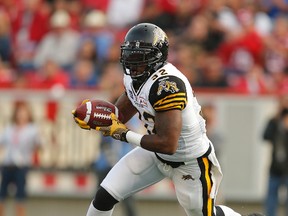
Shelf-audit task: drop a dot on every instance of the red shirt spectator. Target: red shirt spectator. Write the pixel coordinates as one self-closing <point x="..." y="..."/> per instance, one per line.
<point x="253" y="82"/>
<point x="28" y="26"/>
<point x="250" y="42"/>
<point x="52" y="77"/>
<point x="37" y="25"/>
<point x="246" y="48"/>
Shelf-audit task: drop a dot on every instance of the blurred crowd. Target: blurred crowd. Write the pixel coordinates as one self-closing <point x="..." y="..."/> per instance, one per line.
<point x="231" y="45"/>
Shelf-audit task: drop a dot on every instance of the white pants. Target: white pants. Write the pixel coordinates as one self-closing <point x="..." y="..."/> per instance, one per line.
<point x="195" y="183"/>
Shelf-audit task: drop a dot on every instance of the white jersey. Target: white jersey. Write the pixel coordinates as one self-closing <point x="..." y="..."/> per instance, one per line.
<point x="169" y="89"/>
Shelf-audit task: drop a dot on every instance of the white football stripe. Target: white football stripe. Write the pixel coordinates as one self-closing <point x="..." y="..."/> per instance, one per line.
<point x="89" y="109"/>
<point x="116" y="112"/>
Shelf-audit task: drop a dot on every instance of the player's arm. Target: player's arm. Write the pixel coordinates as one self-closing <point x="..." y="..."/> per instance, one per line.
<point x="168" y="98"/>
<point x="168" y="128"/>
<point x="168" y="104"/>
<point x="125" y="107"/>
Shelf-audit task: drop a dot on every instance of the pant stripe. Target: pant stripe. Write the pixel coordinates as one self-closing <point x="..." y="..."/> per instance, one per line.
<point x="205" y="166"/>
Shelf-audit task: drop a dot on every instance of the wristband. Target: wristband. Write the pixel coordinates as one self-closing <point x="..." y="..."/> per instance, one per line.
<point x="134" y="138"/>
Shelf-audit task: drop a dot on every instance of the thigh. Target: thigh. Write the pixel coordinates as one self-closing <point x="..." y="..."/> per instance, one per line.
<point x="134" y="172"/>
<point x="196" y="185"/>
<point x="188" y="187"/>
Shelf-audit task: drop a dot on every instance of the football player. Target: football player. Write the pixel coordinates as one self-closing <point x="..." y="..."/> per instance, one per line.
<point x="175" y="146"/>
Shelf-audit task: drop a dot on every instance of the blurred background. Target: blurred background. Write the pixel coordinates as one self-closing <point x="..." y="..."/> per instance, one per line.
<point x="55" y="53"/>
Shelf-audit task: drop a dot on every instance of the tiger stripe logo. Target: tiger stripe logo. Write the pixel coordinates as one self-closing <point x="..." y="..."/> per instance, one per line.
<point x="167" y="86"/>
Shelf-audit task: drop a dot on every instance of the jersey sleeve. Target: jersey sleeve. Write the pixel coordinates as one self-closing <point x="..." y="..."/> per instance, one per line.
<point x="168" y="93"/>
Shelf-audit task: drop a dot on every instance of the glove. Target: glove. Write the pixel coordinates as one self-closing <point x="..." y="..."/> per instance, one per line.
<point x="116" y="130"/>
<point x="80" y="122"/>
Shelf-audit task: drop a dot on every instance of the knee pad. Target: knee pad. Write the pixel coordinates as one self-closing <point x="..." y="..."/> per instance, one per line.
<point x="103" y="201"/>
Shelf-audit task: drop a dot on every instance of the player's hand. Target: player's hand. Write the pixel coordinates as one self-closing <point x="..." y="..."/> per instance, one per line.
<point x="81" y="123"/>
<point x="117" y="130"/>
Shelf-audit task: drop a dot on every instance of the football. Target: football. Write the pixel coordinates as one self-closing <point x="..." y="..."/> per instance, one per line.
<point x="96" y="113"/>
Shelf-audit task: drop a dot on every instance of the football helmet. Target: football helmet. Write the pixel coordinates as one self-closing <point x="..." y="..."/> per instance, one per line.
<point x="144" y="50"/>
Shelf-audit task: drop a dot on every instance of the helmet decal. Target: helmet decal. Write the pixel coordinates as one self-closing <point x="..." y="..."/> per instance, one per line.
<point x="137" y="44"/>
<point x="159" y="35"/>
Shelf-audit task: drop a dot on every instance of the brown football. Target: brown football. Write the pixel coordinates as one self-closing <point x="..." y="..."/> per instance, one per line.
<point x="97" y="113"/>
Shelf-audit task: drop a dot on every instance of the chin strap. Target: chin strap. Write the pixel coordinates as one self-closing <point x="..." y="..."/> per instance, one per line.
<point x="137" y="82"/>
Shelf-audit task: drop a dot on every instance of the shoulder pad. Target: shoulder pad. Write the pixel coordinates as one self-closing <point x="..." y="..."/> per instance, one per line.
<point x="167" y="93"/>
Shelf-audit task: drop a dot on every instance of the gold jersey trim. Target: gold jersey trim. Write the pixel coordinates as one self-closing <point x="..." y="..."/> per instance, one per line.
<point x="173" y="101"/>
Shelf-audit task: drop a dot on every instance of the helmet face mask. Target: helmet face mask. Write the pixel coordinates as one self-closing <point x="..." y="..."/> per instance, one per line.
<point x="145" y="47"/>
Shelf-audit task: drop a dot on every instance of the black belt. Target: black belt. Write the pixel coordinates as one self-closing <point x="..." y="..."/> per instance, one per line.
<point x="175" y="164"/>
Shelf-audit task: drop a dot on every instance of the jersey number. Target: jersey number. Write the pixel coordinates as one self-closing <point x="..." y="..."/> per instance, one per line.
<point x="149" y="117"/>
<point x="160" y="73"/>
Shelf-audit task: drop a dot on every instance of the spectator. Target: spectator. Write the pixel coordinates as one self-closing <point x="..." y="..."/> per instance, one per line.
<point x="159" y="12"/>
<point x="53" y="78"/>
<point x="226" y="15"/>
<point x="113" y="86"/>
<point x="95" y="29"/>
<point x="209" y="114"/>
<point x="184" y="11"/>
<point x="263" y="23"/>
<point x="186" y="58"/>
<point x="254" y="81"/>
<point x="5" y="37"/>
<point x="75" y="9"/>
<point x="121" y="15"/>
<point x="276" y="132"/>
<point x="113" y="53"/>
<point x="84" y="75"/>
<point x="60" y="44"/>
<point x="275" y="8"/>
<point x="29" y="26"/>
<point x="20" y="139"/>
<point x="88" y="52"/>
<point x="276" y="54"/>
<point x="243" y="50"/>
<point x="212" y="74"/>
<point x="48" y="76"/>
<point x="202" y="30"/>
<point x="59" y="5"/>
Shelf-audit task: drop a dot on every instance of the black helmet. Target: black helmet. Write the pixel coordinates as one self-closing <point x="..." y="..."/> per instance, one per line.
<point x="146" y="45"/>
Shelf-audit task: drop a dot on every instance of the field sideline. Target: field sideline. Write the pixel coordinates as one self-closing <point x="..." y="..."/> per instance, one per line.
<point x="76" y="207"/>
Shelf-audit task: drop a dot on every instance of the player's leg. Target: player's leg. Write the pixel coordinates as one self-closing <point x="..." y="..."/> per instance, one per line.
<point x="102" y="204"/>
<point x="192" y="186"/>
<point x="129" y="206"/>
<point x="196" y="185"/>
<point x="134" y="172"/>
